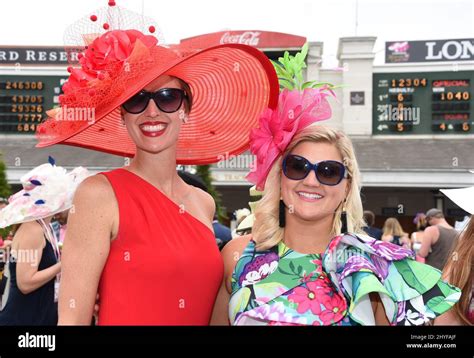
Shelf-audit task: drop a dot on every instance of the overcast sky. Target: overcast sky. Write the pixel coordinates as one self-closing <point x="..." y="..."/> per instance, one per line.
<point x="35" y="22"/>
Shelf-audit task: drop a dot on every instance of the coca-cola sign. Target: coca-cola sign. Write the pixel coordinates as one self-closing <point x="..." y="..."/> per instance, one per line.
<point x="250" y="38"/>
<point x="261" y="39"/>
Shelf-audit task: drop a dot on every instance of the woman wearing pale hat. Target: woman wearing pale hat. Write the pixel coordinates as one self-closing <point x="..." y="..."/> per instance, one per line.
<point x="34" y="263"/>
<point x="140" y="235"/>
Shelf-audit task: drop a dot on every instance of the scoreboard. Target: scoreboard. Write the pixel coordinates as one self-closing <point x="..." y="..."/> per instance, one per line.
<point x="423" y="103"/>
<point x="24" y="101"/>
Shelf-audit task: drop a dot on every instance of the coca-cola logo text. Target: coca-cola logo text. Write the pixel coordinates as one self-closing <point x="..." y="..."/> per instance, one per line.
<point x="250" y="38"/>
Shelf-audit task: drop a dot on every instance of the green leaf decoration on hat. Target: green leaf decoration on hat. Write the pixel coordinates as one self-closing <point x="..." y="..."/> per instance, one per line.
<point x="290" y="72"/>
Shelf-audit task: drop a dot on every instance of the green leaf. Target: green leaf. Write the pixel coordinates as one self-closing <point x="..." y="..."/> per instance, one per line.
<point x="270" y="289"/>
<point x="292" y="266"/>
<point x="286" y="83"/>
<point x="290" y="86"/>
<point x="304" y="50"/>
<point x="445" y="288"/>
<point x="438" y="305"/>
<point x="299" y="77"/>
<point x="283" y="271"/>
<point x="321" y="84"/>
<point x="408" y="275"/>
<point x="279" y="67"/>
<point x="239" y="301"/>
<point x="307" y="85"/>
<point x="290" y="71"/>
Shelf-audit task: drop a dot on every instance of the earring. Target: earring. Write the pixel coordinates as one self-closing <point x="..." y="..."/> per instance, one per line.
<point x="183" y="116"/>
<point x="344" y="218"/>
<point x="282" y="214"/>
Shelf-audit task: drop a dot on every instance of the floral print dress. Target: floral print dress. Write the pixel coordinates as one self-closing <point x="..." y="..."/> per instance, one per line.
<point x="282" y="287"/>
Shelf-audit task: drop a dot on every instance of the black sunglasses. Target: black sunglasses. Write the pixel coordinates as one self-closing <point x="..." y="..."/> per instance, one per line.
<point x="328" y="172"/>
<point x="168" y="100"/>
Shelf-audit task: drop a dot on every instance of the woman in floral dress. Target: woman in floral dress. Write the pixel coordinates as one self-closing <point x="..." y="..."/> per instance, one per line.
<point x="308" y="261"/>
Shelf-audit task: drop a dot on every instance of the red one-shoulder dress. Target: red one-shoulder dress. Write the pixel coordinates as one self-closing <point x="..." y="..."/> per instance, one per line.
<point x="164" y="267"/>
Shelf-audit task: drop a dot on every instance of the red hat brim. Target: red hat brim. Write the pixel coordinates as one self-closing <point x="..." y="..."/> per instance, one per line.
<point x="231" y="85"/>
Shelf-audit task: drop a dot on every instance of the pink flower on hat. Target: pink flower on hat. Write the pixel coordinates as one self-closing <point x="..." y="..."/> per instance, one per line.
<point x="296" y="110"/>
<point x="113" y="47"/>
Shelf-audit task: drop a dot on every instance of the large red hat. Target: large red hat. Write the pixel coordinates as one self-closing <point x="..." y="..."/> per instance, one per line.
<point x="231" y="85"/>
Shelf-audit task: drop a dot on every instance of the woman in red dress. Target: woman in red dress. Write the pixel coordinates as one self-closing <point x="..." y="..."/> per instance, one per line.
<point x="139" y="235"/>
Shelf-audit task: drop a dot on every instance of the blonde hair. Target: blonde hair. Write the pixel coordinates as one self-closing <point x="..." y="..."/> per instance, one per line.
<point x="266" y="231"/>
<point x="392" y="227"/>
<point x="459" y="270"/>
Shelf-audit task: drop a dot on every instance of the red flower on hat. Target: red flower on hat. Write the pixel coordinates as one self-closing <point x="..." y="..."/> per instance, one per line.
<point x="112" y="48"/>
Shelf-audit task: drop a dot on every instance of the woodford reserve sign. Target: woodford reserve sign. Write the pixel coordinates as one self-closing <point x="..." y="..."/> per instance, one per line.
<point x="28" y="55"/>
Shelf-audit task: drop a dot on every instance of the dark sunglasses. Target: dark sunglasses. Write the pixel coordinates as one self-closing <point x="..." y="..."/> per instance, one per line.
<point x="168" y="100"/>
<point x="328" y="172"/>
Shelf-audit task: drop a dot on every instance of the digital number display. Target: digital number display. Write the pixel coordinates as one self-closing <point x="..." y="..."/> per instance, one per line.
<point x="24" y="100"/>
<point x="423" y="103"/>
<point x="450" y="105"/>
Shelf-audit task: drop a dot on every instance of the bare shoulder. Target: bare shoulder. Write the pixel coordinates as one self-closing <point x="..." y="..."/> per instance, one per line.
<point x="95" y="187"/>
<point x="30" y="227"/>
<point x="29" y="235"/>
<point x="96" y="204"/>
<point x="206" y="201"/>
<point x="431" y="231"/>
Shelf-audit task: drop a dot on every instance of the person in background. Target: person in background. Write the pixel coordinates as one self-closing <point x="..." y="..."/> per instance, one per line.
<point x="240" y="215"/>
<point x="245" y="226"/>
<point x="59" y="225"/>
<point x="369" y="219"/>
<point x="393" y="232"/>
<point x="438" y="239"/>
<point x="34" y="262"/>
<point x="222" y="233"/>
<point x="417" y="236"/>
<point x="459" y="269"/>
<point x="5" y="243"/>
<point x="3" y="203"/>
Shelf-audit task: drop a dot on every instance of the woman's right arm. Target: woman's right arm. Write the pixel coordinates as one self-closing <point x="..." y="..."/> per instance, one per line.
<point x="30" y="240"/>
<point x="86" y="248"/>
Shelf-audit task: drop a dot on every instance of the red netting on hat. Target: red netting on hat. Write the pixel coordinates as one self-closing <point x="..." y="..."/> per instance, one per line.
<point x="85" y="30"/>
